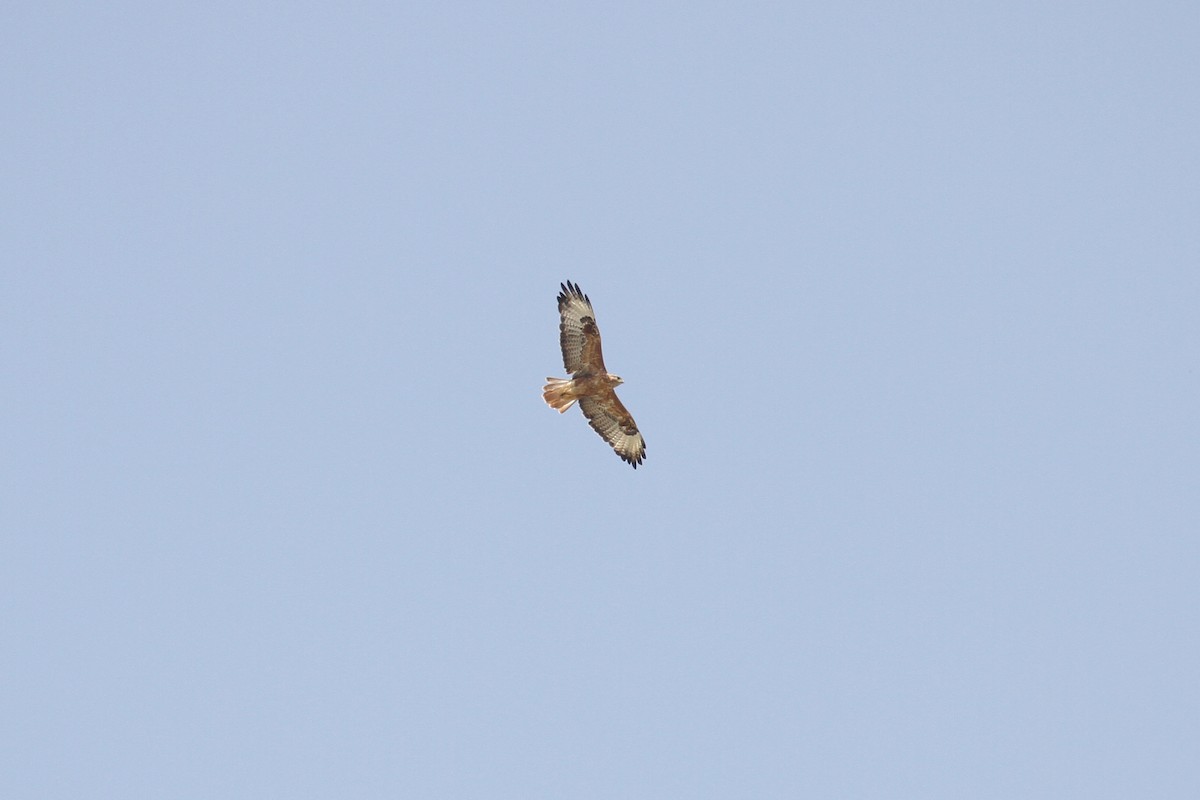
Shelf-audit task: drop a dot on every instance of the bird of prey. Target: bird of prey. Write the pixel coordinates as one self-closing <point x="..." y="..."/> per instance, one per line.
<point x="590" y="383"/>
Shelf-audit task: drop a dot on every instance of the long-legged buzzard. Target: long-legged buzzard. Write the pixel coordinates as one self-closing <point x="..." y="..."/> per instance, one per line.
<point x="590" y="383"/>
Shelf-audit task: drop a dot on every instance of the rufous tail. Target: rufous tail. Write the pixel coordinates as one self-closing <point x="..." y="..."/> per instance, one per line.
<point x="557" y="394"/>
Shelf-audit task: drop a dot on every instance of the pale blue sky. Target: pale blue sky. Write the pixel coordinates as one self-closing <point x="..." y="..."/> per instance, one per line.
<point x="907" y="302"/>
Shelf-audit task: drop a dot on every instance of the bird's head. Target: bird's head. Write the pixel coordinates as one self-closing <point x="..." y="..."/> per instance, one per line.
<point x="616" y="379"/>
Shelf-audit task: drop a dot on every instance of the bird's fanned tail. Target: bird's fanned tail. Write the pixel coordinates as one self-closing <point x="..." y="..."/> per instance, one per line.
<point x="558" y="395"/>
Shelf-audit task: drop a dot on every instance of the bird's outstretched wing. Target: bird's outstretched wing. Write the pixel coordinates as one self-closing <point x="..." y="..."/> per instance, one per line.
<point x="609" y="418"/>
<point x="578" y="334"/>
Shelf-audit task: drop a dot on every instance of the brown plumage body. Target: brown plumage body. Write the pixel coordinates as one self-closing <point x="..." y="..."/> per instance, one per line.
<point x="590" y="384"/>
<point x="561" y="394"/>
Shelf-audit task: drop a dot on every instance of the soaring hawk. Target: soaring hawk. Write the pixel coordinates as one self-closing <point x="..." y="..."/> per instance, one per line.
<point x="590" y="383"/>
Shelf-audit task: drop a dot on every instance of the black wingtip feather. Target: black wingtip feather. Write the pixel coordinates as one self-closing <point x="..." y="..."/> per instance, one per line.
<point x="572" y="291"/>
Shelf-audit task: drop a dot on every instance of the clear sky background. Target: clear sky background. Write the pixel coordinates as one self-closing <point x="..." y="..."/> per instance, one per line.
<point x="907" y="302"/>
